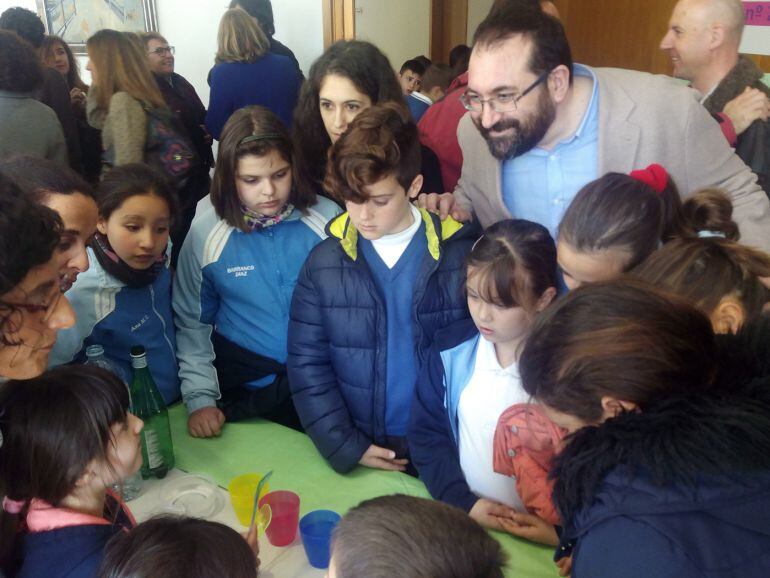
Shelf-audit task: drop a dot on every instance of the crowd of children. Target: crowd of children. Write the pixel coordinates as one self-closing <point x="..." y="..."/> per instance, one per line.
<point x="604" y="392"/>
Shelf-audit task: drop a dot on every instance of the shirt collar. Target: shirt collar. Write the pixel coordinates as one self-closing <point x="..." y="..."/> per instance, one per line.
<point x="405" y="235"/>
<point x="43" y="517"/>
<point x="486" y="360"/>
<point x="582" y="70"/>
<point x="705" y="97"/>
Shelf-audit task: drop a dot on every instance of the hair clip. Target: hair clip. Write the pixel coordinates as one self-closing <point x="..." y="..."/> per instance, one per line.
<point x="654" y="175"/>
<point x="711" y="234"/>
<point x="258" y="137"/>
<point x="473" y="247"/>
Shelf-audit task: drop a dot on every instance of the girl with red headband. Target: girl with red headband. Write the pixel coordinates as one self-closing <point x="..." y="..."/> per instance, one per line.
<point x="615" y="222"/>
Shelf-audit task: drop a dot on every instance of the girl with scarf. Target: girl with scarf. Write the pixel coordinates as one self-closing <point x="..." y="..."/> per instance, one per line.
<point x="124" y="299"/>
<point x="236" y="275"/>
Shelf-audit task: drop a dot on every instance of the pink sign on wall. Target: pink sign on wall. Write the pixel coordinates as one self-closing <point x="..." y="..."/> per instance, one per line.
<point x="757" y="13"/>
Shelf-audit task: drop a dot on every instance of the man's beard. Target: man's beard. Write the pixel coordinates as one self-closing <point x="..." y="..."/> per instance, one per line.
<point x="526" y="135"/>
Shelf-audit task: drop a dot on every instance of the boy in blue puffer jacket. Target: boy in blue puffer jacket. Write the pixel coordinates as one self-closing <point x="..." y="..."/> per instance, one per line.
<point x="370" y="298"/>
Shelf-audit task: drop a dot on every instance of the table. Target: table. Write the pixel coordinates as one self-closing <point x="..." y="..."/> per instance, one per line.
<point x="259" y="446"/>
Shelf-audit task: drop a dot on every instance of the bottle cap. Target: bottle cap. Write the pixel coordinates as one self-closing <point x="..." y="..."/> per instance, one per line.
<point x="94" y="351"/>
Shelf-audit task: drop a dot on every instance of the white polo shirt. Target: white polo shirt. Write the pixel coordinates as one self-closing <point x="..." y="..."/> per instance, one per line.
<point x="491" y="390"/>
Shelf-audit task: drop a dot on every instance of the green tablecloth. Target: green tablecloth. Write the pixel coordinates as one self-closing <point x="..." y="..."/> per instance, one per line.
<point x="259" y="446"/>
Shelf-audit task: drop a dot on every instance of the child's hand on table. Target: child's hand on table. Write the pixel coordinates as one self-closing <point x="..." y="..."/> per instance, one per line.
<point x="530" y="527"/>
<point x="205" y="422"/>
<point x="489" y="513"/>
<point x="382" y="459"/>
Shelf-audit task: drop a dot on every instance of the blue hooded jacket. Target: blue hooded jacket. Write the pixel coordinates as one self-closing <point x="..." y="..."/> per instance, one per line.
<point x="338" y="333"/>
<point x="117" y="317"/>
<point x="240" y="285"/>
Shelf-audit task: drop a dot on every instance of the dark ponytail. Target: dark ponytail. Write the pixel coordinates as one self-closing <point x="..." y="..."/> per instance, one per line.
<point x="639" y="212"/>
<point x="709" y="213"/>
<point x="706" y="270"/>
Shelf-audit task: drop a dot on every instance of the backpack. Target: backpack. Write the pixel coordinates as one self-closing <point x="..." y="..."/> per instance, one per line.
<point x="168" y="148"/>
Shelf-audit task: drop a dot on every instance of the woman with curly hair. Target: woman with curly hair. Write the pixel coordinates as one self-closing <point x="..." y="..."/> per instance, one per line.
<point x="27" y="126"/>
<point x="32" y="307"/>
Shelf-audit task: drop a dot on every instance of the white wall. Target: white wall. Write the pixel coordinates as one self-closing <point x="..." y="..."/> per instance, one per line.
<point x="400" y="28"/>
<point x="477" y="11"/>
<point x="756" y="40"/>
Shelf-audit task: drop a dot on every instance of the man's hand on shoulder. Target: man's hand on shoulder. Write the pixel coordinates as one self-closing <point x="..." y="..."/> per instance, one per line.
<point x="443" y="204"/>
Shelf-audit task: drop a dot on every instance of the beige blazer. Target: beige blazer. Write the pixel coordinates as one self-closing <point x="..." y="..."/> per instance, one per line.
<point x="643" y="119"/>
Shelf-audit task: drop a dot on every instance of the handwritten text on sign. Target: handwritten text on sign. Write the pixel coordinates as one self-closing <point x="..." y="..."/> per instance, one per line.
<point x="757" y="13"/>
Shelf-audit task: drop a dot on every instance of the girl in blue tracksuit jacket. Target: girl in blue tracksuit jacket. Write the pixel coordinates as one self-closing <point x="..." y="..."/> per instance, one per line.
<point x="236" y="274"/>
<point x="471" y="374"/>
<point x="67" y="436"/>
<point x="124" y="299"/>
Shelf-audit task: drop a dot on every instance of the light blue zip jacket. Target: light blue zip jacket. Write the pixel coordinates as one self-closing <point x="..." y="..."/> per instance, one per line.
<point x="118" y="317"/>
<point x="241" y="284"/>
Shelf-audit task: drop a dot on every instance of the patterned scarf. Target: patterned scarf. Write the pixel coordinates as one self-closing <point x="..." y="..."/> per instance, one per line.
<point x="122" y="271"/>
<point x="256" y="221"/>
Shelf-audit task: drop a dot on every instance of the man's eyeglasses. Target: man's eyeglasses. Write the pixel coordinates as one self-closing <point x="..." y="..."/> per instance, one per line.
<point x="162" y="50"/>
<point x="503" y="102"/>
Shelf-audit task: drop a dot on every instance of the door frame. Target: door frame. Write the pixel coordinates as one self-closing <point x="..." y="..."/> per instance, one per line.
<point x="339" y="21"/>
<point x="447" y="27"/>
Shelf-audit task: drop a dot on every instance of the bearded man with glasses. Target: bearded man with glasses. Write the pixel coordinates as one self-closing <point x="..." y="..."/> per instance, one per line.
<point x="540" y="127"/>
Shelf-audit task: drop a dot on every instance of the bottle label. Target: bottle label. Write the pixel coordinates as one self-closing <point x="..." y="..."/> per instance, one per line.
<point x="154" y="454"/>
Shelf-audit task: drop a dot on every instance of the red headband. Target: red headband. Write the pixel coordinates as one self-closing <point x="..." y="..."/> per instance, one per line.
<point x="654" y="175"/>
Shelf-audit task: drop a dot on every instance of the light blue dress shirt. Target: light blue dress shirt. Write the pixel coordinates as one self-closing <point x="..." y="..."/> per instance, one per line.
<point x="540" y="184"/>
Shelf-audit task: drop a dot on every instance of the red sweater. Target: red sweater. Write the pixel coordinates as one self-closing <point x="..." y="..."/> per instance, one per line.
<point x="438" y="131"/>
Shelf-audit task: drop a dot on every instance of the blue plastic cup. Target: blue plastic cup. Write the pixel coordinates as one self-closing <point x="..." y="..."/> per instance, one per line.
<point x="316" y="530"/>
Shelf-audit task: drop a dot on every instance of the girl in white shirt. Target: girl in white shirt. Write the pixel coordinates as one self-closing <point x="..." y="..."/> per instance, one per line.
<point x="471" y="376"/>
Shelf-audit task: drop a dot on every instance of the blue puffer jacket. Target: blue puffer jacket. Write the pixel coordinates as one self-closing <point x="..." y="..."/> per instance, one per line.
<point x="338" y="333"/>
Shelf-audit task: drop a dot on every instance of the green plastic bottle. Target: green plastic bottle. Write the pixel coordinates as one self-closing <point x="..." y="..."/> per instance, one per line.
<point x="147" y="404"/>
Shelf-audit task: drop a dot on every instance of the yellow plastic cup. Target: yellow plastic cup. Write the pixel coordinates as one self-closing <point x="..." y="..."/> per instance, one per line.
<point x="242" y="490"/>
